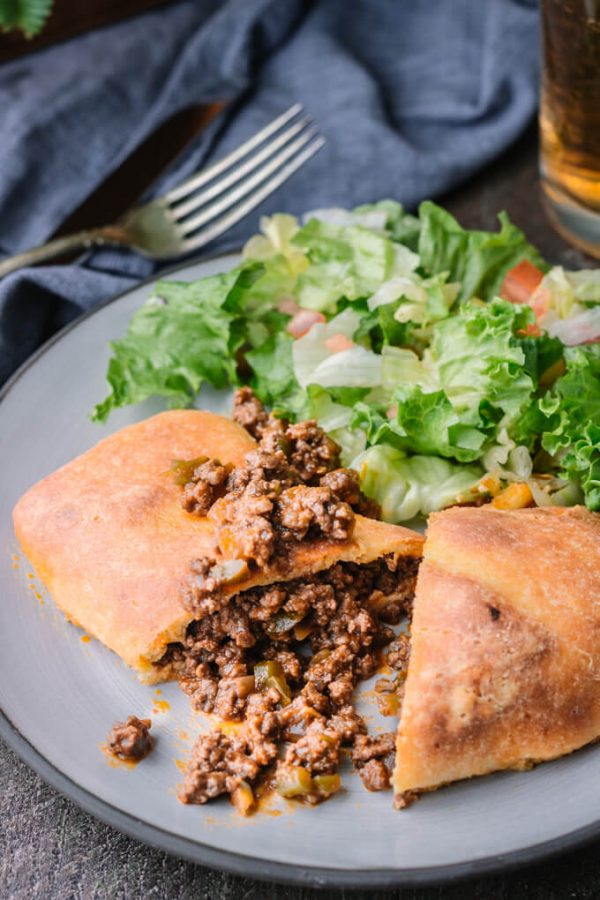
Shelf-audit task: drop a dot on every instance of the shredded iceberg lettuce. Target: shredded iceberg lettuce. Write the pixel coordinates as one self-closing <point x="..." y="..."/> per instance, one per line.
<point x="409" y="486"/>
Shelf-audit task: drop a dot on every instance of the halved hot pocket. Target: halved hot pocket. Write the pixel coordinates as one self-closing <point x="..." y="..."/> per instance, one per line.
<point x="108" y="536"/>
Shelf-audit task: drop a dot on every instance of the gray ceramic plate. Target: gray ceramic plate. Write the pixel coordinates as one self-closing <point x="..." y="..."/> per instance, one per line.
<point x="59" y="694"/>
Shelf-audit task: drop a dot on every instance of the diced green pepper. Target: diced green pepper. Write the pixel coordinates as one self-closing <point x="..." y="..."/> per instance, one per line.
<point x="226" y="573"/>
<point x="293" y="781"/>
<point x="326" y="785"/>
<point x="281" y="623"/>
<point x="284" y="444"/>
<point x="183" y="469"/>
<point x="269" y="674"/>
<point x="281" y="685"/>
<point x="230" y="571"/>
<point x="302" y="630"/>
<point x="263" y="671"/>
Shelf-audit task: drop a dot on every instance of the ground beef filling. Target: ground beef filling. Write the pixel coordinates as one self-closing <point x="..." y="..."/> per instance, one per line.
<point x="290" y="489"/>
<point x="131" y="740"/>
<point x="284" y="660"/>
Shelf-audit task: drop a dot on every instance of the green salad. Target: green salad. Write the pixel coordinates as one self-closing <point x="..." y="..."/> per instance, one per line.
<point x="447" y="363"/>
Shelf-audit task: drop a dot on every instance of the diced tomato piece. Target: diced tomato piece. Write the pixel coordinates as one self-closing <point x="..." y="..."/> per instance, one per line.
<point x="520" y="282"/>
<point x="338" y="342"/>
<point x="288" y="305"/>
<point x="303" y="321"/>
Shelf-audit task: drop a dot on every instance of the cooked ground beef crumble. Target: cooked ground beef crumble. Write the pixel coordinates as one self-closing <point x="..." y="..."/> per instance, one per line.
<point x="249" y="412"/>
<point x="284" y="659"/>
<point x="131" y="739"/>
<point x="207" y="483"/>
<point x="311" y="451"/>
<point x="369" y="754"/>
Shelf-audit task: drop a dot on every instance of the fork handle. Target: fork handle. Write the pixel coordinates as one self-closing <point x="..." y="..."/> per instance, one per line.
<point x="94" y="237"/>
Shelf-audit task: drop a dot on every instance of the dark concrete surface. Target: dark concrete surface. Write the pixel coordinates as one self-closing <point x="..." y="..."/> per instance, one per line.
<point x="51" y="849"/>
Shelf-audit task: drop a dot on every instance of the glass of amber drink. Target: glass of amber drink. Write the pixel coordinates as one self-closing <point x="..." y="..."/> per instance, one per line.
<point x="570" y="119"/>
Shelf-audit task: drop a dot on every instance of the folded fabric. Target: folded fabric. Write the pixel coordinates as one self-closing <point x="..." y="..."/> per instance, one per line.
<point x="411" y="97"/>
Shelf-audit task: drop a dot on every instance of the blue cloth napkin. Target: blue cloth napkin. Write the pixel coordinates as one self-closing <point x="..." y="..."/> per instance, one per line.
<point x="412" y="97"/>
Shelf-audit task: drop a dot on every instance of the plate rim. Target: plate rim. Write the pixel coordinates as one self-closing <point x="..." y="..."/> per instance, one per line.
<point x="227" y="860"/>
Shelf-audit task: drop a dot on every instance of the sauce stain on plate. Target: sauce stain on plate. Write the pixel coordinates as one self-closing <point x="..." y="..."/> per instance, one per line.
<point x="34" y="588"/>
<point x="158" y="704"/>
<point x="115" y="762"/>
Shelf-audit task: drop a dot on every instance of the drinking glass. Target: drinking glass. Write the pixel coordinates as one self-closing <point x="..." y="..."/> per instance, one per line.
<point x="570" y="119"/>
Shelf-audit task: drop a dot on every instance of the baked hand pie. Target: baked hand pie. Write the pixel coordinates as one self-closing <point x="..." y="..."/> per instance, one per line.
<point x="108" y="536"/>
<point x="504" y="667"/>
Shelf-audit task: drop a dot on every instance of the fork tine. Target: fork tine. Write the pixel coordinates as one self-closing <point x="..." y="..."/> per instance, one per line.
<point x="206" y="175"/>
<point x="242" y="209"/>
<point x="188" y="226"/>
<point x="220" y="186"/>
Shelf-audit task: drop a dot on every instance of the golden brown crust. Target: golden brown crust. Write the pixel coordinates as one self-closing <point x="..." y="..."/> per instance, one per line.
<point x="505" y="651"/>
<point x="107" y="535"/>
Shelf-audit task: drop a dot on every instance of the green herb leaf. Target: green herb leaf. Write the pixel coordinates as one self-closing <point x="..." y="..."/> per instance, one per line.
<point x="29" y="16"/>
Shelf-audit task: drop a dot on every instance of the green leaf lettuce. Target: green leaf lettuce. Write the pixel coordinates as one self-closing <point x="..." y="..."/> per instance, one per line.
<point x="181" y="337"/>
<point x="479" y="260"/>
